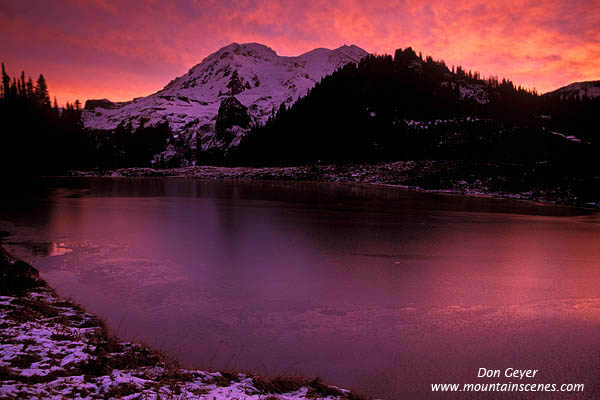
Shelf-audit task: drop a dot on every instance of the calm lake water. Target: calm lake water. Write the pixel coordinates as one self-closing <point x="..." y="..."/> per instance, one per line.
<point x="377" y="289"/>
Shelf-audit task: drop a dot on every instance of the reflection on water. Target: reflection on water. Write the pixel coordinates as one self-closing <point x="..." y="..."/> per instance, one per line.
<point x="378" y="289"/>
<point x="47" y="249"/>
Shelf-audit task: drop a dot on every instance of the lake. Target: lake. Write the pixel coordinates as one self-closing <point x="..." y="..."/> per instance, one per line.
<point x="377" y="289"/>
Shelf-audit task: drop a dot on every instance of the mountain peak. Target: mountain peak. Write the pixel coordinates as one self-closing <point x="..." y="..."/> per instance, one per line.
<point x="254" y="49"/>
<point x="345" y="49"/>
<point x="240" y="48"/>
<point x="251" y="73"/>
<point x="352" y="47"/>
<point x="243" y="50"/>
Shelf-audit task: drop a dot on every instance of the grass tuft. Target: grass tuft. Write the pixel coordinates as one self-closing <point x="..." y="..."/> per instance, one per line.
<point x="278" y="385"/>
<point x="282" y="385"/>
<point x="31" y="310"/>
<point x="122" y="390"/>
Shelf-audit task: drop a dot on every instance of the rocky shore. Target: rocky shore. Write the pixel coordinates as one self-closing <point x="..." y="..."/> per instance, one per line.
<point x="539" y="182"/>
<point x="52" y="349"/>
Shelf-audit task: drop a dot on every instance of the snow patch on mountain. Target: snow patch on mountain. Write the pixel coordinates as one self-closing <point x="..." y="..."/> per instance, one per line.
<point x="589" y="89"/>
<point x="470" y="91"/>
<point x="254" y="74"/>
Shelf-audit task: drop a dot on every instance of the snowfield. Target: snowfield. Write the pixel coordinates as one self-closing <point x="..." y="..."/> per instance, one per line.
<point x="470" y="91"/>
<point x="52" y="349"/>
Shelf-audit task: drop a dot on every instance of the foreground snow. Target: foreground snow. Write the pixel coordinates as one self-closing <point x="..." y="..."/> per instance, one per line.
<point x="52" y="349"/>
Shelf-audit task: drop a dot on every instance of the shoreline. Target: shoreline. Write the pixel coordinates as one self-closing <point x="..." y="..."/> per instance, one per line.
<point x="435" y="177"/>
<point x="52" y="348"/>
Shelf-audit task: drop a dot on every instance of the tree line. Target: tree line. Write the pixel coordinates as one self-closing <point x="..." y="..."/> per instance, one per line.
<point x="40" y="138"/>
<point x="37" y="135"/>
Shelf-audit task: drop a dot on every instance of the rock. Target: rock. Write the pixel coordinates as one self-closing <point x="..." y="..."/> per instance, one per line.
<point x="91" y="105"/>
<point x="231" y="114"/>
<point x="236" y="84"/>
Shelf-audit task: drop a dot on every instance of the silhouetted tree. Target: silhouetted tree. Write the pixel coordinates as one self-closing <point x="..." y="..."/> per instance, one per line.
<point x="41" y="91"/>
<point x="5" y="82"/>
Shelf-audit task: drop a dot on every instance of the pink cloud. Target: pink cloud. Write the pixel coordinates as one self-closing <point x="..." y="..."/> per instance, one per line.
<point x="120" y="50"/>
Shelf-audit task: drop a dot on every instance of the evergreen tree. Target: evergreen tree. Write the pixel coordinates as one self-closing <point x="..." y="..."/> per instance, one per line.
<point x="35" y="139"/>
<point x="13" y="88"/>
<point x="29" y="88"/>
<point x="5" y="82"/>
<point x="22" y="84"/>
<point x="41" y="92"/>
<point x="55" y="109"/>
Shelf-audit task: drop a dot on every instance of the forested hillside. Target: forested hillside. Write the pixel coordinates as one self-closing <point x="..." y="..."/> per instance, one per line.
<point x="407" y="107"/>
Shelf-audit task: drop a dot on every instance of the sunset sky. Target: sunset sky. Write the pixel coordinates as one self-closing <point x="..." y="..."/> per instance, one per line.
<point x="123" y="49"/>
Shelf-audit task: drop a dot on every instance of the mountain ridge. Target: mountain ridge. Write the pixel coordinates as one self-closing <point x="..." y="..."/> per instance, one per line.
<point x="589" y="89"/>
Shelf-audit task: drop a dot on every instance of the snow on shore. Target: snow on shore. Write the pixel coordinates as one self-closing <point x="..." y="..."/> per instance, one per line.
<point x="568" y="137"/>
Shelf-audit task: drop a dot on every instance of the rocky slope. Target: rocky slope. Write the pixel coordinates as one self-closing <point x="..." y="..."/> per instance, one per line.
<point x="214" y="104"/>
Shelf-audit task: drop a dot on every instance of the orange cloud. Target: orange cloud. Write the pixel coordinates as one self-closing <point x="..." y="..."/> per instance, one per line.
<point x="124" y="49"/>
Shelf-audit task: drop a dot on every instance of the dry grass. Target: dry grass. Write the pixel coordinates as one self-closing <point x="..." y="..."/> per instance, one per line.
<point x="122" y="390"/>
<point x="31" y="310"/>
<point x="7" y="374"/>
<point x="278" y="385"/>
<point x="65" y="336"/>
<point x="281" y="385"/>
<point x="24" y="360"/>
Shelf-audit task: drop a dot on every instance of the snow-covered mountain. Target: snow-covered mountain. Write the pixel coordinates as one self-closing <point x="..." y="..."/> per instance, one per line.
<point x="215" y="103"/>
<point x="582" y="89"/>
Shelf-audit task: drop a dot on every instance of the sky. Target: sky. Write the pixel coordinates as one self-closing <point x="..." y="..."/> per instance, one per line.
<point x="91" y="49"/>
